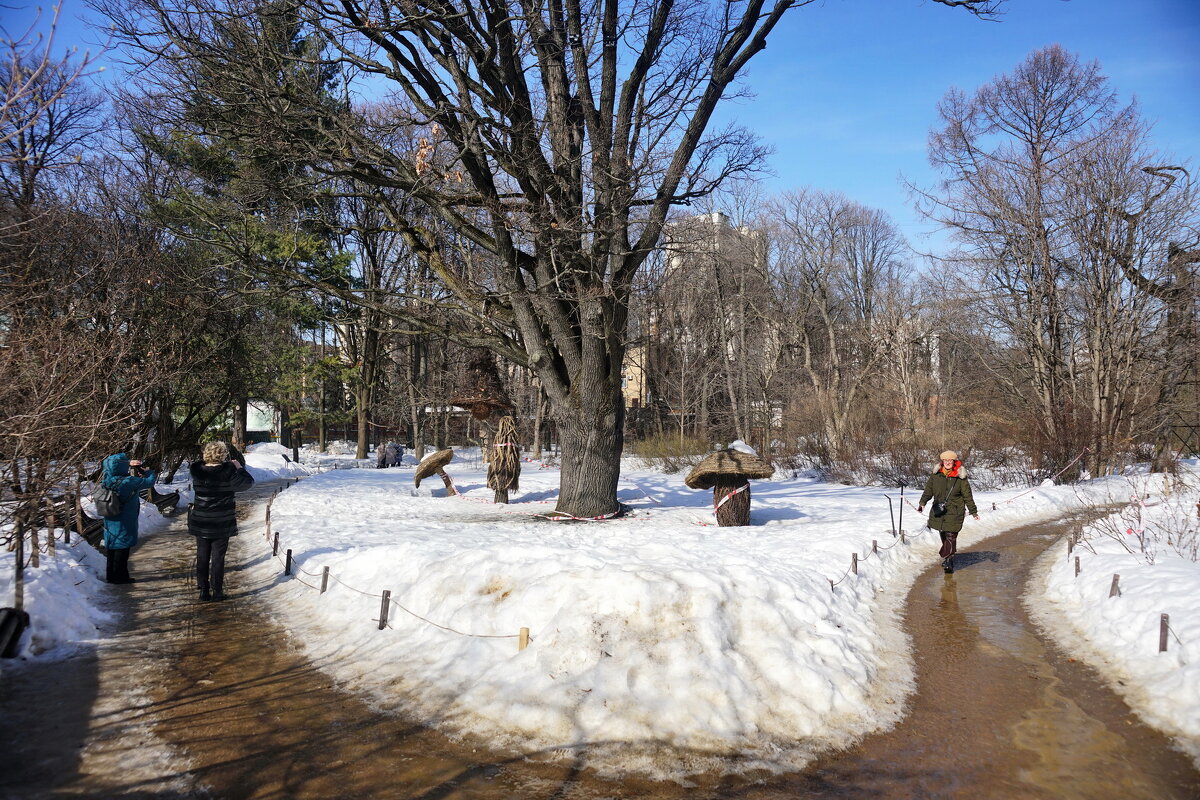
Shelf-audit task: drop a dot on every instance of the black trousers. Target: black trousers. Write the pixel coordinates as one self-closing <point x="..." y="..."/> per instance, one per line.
<point x="116" y="564"/>
<point x="949" y="543"/>
<point x="210" y="563"/>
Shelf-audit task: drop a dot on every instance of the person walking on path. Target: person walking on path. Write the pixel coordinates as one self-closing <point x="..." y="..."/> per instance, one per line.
<point x="950" y="491"/>
<point x="213" y="515"/>
<point x="127" y="479"/>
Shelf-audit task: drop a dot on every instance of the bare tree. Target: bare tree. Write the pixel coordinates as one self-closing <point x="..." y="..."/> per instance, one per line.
<point x="1161" y="205"/>
<point x="836" y="262"/>
<point x="1043" y="167"/>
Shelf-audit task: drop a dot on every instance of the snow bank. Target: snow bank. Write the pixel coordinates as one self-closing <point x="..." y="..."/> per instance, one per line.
<point x="62" y="598"/>
<point x="654" y="631"/>
<point x="1151" y="545"/>
<point x="269" y="466"/>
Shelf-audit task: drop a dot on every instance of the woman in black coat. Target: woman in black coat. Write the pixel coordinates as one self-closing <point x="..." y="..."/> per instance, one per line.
<point x="213" y="516"/>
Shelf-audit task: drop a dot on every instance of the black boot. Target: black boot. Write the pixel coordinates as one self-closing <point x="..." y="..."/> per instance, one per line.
<point x="122" y="565"/>
<point x="948" y="563"/>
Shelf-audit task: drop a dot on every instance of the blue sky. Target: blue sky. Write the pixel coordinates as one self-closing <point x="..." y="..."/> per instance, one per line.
<point x="847" y="90"/>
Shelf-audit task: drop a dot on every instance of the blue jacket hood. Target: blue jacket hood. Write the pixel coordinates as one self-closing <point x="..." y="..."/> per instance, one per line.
<point x="116" y="466"/>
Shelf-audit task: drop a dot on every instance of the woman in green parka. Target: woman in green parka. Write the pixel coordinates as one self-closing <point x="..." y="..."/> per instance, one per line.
<point x="951" y="493"/>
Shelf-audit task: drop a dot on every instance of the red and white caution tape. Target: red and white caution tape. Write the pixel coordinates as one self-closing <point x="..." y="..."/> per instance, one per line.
<point x="727" y="497"/>
<point x="558" y="516"/>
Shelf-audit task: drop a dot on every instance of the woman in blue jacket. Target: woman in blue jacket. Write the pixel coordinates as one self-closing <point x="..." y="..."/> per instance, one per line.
<point x="121" y="533"/>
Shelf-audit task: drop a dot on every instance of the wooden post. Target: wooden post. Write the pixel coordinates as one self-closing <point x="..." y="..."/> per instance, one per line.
<point x="52" y="523"/>
<point x="1076" y="566"/>
<point x="1070" y="545"/>
<point x="1163" y="626"/>
<point x="287" y="566"/>
<point x="383" y="608"/>
<point x="902" y="539"/>
<point x="854" y="563"/>
<point x="523" y="640"/>
<point x="1115" y="589"/>
<point x="19" y="583"/>
<point x="324" y="579"/>
<point x="79" y="526"/>
<point x="874" y="546"/>
<point x="275" y="545"/>
<point x="831" y="585"/>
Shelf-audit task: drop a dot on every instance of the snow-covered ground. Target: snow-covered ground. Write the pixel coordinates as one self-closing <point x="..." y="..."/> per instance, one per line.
<point x="657" y="629"/>
<point x="666" y="644"/>
<point x="1152" y="546"/>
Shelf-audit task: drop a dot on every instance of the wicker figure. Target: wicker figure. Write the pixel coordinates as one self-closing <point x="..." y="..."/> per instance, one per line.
<point x="504" y="466"/>
<point x="728" y="473"/>
<point x="483" y="391"/>
<point x="435" y="464"/>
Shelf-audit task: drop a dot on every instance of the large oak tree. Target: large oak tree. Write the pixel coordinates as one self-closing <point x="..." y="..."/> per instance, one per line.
<point x="557" y="137"/>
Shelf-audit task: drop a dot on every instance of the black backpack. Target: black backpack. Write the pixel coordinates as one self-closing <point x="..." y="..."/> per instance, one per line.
<point x="108" y="502"/>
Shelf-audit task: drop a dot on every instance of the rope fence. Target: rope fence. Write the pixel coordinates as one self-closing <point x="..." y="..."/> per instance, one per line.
<point x="385" y="596"/>
<point x="1165" y="631"/>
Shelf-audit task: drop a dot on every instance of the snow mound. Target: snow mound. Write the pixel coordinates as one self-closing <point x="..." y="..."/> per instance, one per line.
<point x="270" y="466"/>
<point x="269" y="448"/>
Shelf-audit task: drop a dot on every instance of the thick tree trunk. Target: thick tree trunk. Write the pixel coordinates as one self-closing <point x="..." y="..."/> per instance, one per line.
<point x="240" y="414"/>
<point x="591" y="437"/>
<point x="363" y="411"/>
<point x="285" y="427"/>
<point x="538" y="422"/>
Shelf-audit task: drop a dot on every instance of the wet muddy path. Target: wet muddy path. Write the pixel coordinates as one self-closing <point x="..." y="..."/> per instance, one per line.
<point x="997" y="712"/>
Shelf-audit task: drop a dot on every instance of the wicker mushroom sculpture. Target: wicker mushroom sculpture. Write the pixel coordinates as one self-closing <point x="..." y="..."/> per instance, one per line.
<point x="436" y="464"/>
<point x="728" y="473"/>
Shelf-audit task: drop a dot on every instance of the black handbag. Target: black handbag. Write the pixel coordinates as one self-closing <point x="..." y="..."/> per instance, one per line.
<point x="939" y="506"/>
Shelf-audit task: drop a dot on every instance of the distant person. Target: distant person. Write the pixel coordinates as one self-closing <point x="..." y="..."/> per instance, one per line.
<point x="128" y="479"/>
<point x="389" y="455"/>
<point x="952" y="499"/>
<point x="213" y="516"/>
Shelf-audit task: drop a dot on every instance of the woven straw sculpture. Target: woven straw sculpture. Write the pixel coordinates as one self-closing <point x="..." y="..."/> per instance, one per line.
<point x="728" y="473"/>
<point x="504" y="466"/>
<point x="435" y="464"/>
